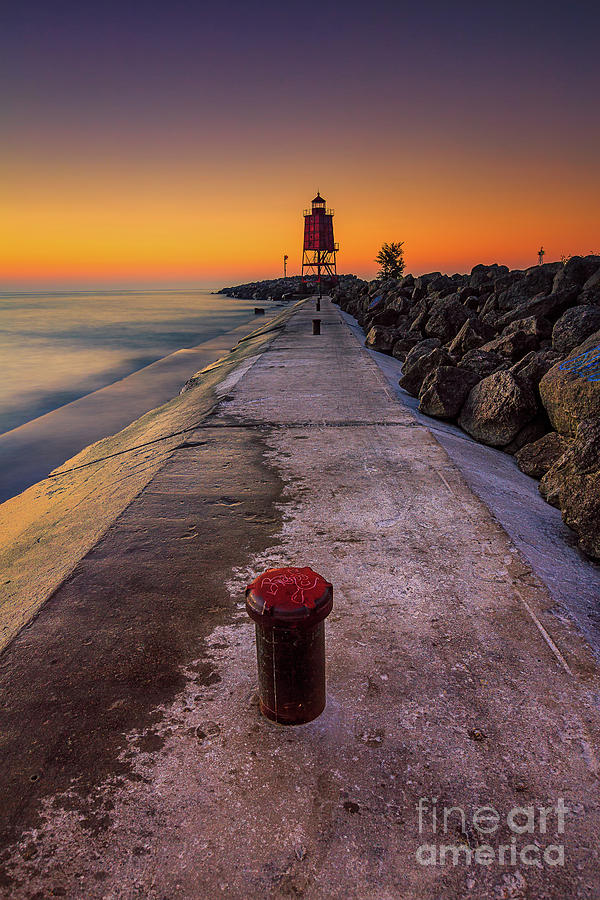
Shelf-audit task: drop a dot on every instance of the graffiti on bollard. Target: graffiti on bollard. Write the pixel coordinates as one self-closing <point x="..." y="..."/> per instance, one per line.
<point x="289" y="607"/>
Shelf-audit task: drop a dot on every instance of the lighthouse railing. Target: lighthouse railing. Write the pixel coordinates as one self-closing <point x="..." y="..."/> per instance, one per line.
<point x="323" y="211"/>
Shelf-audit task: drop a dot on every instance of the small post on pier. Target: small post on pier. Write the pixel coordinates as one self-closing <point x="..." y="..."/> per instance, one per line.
<point x="289" y="607"/>
<point x="316" y="326"/>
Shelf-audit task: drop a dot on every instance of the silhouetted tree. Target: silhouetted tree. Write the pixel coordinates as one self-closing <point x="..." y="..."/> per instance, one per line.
<point x="391" y="260"/>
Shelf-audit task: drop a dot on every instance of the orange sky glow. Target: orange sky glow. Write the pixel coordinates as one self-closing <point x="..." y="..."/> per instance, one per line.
<point x="134" y="160"/>
<point x="172" y="226"/>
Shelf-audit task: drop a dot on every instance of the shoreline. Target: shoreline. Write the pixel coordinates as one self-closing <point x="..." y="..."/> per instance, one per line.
<point x="71" y="427"/>
<point x="59" y="348"/>
<point x="46" y="530"/>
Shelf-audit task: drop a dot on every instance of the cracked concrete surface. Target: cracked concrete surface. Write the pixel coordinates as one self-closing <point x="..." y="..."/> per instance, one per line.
<point x="157" y="776"/>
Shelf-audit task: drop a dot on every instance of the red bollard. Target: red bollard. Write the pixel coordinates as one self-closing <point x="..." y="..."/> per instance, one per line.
<point x="289" y="607"/>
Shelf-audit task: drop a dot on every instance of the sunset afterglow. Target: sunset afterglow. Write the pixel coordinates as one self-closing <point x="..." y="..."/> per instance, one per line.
<point x="180" y="151"/>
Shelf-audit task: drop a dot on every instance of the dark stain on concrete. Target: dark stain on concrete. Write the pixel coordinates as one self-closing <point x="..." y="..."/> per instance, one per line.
<point x="109" y="646"/>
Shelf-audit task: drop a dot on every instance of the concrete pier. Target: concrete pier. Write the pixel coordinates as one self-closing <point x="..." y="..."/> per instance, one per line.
<point x="135" y="760"/>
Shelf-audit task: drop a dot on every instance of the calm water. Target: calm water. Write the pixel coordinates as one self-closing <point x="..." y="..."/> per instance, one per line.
<point x="56" y="347"/>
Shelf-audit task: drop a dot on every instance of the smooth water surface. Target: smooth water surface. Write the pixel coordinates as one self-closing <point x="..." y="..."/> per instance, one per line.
<point x="56" y="347"/>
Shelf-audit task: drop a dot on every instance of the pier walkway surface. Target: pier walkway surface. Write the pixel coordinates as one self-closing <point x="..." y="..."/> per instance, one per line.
<point x="135" y="762"/>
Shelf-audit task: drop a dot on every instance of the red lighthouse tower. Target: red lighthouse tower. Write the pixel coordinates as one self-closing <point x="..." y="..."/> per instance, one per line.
<point x="318" y="255"/>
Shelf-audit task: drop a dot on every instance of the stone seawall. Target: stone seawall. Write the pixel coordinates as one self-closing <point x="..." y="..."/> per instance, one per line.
<point x="510" y="356"/>
<point x="278" y="288"/>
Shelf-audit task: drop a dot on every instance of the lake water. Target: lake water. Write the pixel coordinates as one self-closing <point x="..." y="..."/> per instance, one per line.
<point x="56" y="347"/>
<point x="78" y="367"/>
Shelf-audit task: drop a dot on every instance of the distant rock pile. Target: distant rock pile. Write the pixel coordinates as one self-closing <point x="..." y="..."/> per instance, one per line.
<point x="290" y="288"/>
<point x="513" y="357"/>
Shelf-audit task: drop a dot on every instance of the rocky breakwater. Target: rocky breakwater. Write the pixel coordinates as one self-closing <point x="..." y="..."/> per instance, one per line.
<point x="292" y="288"/>
<point x="513" y="357"/>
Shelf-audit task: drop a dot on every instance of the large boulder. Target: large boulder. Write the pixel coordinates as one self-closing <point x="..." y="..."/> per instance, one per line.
<point x="418" y="323"/>
<point x="550" y="306"/>
<point x="575" y="273"/>
<point x="517" y="286"/>
<point x="590" y="292"/>
<point x="570" y="390"/>
<point x="574" y="326"/>
<point x="382" y="287"/>
<point x="497" y="409"/>
<point x="552" y="482"/>
<point x="441" y="286"/>
<point x="382" y="339"/>
<point x="577" y="270"/>
<point x="423" y="281"/>
<point x="445" y="390"/>
<point x="446" y="318"/>
<point x="532" y="431"/>
<point x="384" y="318"/>
<point x="537" y="326"/>
<point x="483" y="363"/>
<point x="418" y="366"/>
<point x="481" y="274"/>
<point x="472" y="335"/>
<point x="404" y="345"/>
<point x="469" y="301"/>
<point x="533" y="366"/>
<point x="489" y="310"/>
<point x="562" y="283"/>
<point x="538" y="279"/>
<point x="537" y="458"/>
<point x="513" y="345"/>
<point x="420" y="349"/>
<point x="573" y="484"/>
<point x="401" y="304"/>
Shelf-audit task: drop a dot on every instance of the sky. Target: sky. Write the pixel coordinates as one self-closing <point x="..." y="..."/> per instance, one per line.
<point x="176" y="144"/>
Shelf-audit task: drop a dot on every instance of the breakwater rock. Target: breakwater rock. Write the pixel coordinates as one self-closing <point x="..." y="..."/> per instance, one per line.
<point x="513" y="357"/>
<point x="291" y="288"/>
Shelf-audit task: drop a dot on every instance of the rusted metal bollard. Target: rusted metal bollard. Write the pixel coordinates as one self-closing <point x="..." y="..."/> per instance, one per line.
<point x="316" y="326"/>
<point x="289" y="607"/>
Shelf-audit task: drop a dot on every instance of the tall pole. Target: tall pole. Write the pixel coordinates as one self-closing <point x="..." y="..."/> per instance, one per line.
<point x="285" y="259"/>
